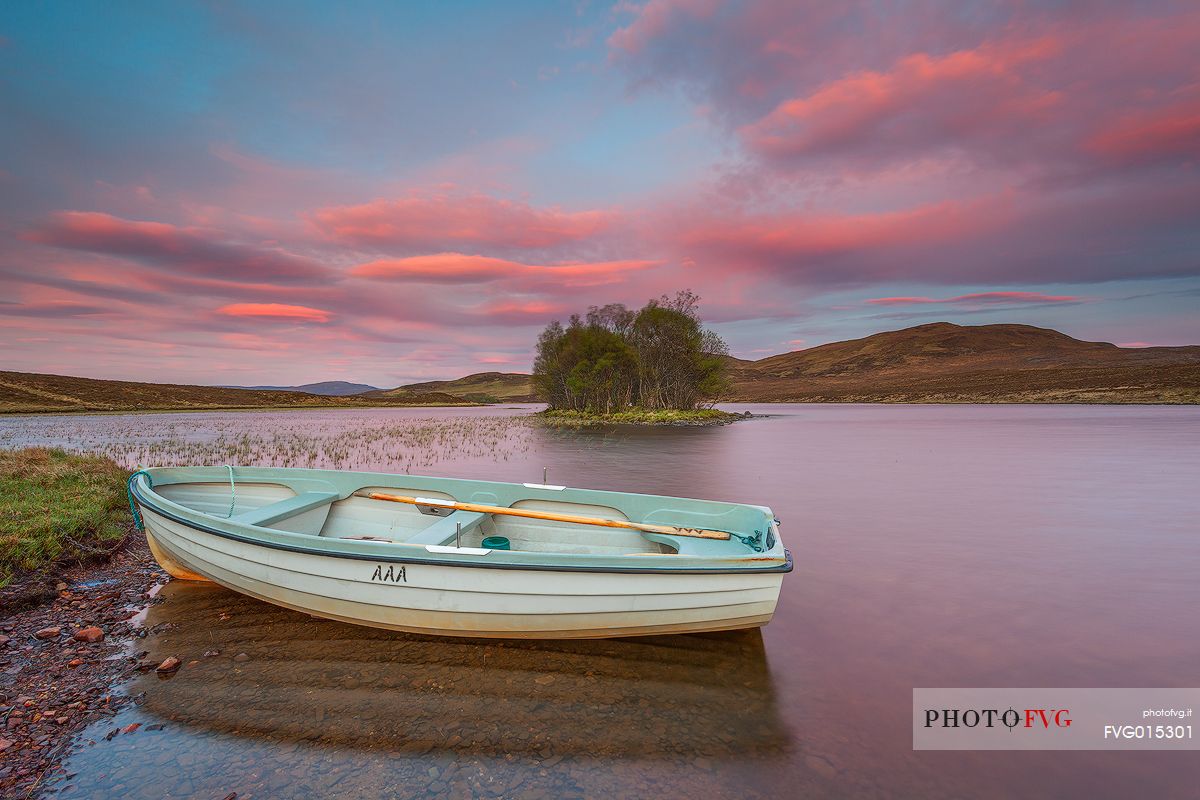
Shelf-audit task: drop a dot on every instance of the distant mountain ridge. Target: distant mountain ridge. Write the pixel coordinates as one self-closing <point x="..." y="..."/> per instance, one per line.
<point x="935" y="363"/>
<point x="326" y="388"/>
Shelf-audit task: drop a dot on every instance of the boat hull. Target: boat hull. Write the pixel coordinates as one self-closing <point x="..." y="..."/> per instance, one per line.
<point x="466" y="600"/>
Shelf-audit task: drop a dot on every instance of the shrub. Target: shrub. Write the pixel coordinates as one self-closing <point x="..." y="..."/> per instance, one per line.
<point x="614" y="359"/>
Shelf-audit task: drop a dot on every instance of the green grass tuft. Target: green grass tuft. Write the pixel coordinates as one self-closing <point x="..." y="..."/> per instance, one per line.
<point x="54" y="506"/>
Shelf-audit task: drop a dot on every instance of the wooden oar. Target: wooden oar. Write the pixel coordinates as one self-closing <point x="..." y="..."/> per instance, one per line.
<point x="670" y="530"/>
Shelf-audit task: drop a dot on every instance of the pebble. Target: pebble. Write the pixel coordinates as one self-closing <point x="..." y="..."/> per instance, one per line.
<point x="48" y="633"/>
<point x="91" y="634"/>
<point x="544" y="680"/>
<point x="75" y="662"/>
<point x="169" y="664"/>
<point x="241" y="658"/>
<point x="211" y="653"/>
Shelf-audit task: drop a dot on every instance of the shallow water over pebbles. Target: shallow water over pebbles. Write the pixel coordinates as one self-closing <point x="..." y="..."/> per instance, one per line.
<point x="298" y="707"/>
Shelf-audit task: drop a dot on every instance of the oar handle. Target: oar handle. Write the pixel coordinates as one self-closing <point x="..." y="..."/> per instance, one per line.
<point x="646" y="527"/>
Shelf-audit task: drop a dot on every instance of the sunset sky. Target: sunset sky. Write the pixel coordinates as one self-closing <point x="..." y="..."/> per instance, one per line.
<point x="277" y="193"/>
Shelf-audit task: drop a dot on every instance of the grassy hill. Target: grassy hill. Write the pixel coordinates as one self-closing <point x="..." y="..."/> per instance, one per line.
<point x="935" y="363"/>
<point x="328" y="388"/>
<point x="484" y="387"/>
<point x="25" y="392"/>
<point x="945" y="363"/>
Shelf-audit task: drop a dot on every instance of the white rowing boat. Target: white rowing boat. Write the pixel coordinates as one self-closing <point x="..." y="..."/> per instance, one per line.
<point x="465" y="558"/>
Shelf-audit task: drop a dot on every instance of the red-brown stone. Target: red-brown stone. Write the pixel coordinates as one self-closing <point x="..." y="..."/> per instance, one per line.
<point x="92" y="634"/>
<point x="169" y="664"/>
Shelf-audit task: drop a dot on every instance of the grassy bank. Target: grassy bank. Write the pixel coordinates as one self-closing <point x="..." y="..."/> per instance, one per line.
<point x="57" y="508"/>
<point x="637" y="416"/>
<point x="35" y="393"/>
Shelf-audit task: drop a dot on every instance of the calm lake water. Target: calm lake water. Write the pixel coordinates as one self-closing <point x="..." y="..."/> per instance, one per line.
<point x="1050" y="546"/>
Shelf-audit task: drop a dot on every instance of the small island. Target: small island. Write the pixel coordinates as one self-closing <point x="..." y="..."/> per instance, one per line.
<point x="655" y="366"/>
<point x="639" y="416"/>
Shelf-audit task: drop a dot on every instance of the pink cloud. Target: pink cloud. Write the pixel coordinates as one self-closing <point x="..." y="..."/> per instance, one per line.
<point x="276" y="311"/>
<point x="60" y="309"/>
<point x="655" y="18"/>
<point x="448" y="220"/>
<point x="251" y="341"/>
<point x="439" y="268"/>
<point x="921" y="101"/>
<point x="1011" y="236"/>
<point x="522" y="312"/>
<point x="461" y="268"/>
<point x="532" y="307"/>
<point x="980" y="298"/>
<point x="817" y="245"/>
<point x="198" y="251"/>
<point x="1044" y="88"/>
<point x="1165" y="134"/>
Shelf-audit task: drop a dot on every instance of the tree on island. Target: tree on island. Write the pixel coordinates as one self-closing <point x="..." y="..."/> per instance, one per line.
<point x="614" y="359"/>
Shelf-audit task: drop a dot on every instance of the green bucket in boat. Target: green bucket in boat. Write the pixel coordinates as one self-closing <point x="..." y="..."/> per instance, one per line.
<point x="496" y="543"/>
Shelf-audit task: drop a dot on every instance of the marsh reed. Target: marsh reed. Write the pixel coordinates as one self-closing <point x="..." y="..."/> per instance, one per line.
<point x="366" y="440"/>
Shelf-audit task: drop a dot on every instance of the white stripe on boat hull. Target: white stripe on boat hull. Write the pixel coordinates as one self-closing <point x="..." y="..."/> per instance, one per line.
<point x="465" y="601"/>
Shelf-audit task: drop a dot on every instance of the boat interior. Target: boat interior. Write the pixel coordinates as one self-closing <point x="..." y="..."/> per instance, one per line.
<point x="332" y="509"/>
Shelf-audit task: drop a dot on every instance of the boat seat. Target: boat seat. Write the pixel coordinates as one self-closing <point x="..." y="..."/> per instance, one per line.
<point x="443" y="530"/>
<point x="282" y="509"/>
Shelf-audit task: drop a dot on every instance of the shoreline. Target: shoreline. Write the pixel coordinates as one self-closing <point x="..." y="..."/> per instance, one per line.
<point x="928" y="402"/>
<point x="117" y="411"/>
<point x="708" y="417"/>
<point x="63" y="653"/>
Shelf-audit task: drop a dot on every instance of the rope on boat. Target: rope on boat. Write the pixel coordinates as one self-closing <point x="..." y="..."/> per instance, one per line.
<point x="753" y="542"/>
<point x="137" y="517"/>
<point x="232" y="492"/>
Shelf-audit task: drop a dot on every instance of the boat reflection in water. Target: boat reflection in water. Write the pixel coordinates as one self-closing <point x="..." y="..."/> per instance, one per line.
<point x="320" y="701"/>
<point x="317" y="680"/>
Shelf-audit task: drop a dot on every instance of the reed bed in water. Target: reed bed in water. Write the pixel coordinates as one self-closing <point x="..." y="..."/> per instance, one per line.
<point x="292" y="439"/>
